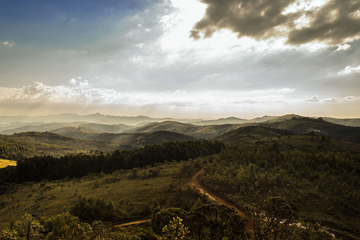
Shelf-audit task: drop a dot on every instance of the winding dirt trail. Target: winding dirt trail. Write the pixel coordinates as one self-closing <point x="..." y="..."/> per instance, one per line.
<point x="128" y="224"/>
<point x="196" y="183"/>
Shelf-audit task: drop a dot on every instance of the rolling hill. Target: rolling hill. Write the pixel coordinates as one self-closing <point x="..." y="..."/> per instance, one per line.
<point x="126" y="139"/>
<point x="351" y="122"/>
<point x="200" y="132"/>
<point x="250" y="134"/>
<point x="45" y="143"/>
<point x="304" y="125"/>
<point x="31" y="144"/>
<point x="91" y="118"/>
<point x="221" y="121"/>
<point x="92" y="127"/>
<point x="233" y="120"/>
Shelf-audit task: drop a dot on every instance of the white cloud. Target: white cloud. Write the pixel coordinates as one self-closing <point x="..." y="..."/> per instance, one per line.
<point x="343" y="47"/>
<point x="347" y="99"/>
<point x="7" y="44"/>
<point x="81" y="91"/>
<point x="349" y="70"/>
<point x="312" y="99"/>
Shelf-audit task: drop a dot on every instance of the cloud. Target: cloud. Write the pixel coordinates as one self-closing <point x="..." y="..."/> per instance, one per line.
<point x="312" y="99"/>
<point x="299" y="21"/>
<point x="343" y="47"/>
<point x="349" y="70"/>
<point x="81" y="91"/>
<point x="347" y="99"/>
<point x="7" y="44"/>
<point x="79" y="96"/>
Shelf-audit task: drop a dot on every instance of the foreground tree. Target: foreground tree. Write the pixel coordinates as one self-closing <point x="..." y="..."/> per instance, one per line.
<point x="271" y="219"/>
<point x="27" y="227"/>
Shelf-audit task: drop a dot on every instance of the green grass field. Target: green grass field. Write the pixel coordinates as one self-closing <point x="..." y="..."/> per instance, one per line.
<point x="5" y="163"/>
<point x="129" y="191"/>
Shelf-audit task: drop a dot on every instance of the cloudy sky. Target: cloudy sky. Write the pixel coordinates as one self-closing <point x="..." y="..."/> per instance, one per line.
<point x="180" y="58"/>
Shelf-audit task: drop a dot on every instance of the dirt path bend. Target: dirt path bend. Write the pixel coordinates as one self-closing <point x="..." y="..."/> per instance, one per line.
<point x="128" y="224"/>
<point x="196" y="183"/>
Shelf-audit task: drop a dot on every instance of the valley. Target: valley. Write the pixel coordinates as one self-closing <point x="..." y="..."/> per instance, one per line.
<point x="148" y="170"/>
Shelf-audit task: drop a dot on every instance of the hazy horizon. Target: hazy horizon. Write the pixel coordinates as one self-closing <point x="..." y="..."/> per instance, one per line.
<point x="185" y="59"/>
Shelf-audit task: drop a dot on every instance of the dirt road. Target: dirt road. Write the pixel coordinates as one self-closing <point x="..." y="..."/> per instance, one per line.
<point x="128" y="224"/>
<point x="196" y="183"/>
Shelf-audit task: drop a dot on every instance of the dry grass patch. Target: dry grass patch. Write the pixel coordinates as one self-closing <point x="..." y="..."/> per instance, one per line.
<point x="4" y="163"/>
<point x="129" y="190"/>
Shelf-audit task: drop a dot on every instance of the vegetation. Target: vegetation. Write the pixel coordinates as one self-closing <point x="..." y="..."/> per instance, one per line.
<point x="30" y="144"/>
<point x="130" y="191"/>
<point x="202" y="222"/>
<point x="321" y="185"/>
<point x="278" y="178"/>
<point x="77" y="166"/>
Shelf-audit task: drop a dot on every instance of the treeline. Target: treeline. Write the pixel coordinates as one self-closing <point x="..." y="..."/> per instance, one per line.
<point x="76" y="166"/>
<point x="325" y="183"/>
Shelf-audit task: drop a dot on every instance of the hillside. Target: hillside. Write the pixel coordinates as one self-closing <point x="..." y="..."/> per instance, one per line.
<point x="90" y="127"/>
<point x="36" y="127"/>
<point x="91" y="118"/>
<point x="158" y="137"/>
<point x="127" y="140"/>
<point x="233" y="120"/>
<point x="205" y="132"/>
<point x="351" y="122"/>
<point x="250" y="134"/>
<point x="300" y="125"/>
<point x="221" y="121"/>
<point x="39" y="144"/>
<point x="282" y="118"/>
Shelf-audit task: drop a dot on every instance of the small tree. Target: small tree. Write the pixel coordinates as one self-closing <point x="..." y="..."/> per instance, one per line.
<point x="175" y="230"/>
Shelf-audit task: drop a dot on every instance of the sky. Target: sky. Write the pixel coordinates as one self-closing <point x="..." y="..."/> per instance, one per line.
<point x="180" y="58"/>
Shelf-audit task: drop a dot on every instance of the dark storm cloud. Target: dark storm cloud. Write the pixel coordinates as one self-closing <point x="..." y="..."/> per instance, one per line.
<point x="332" y="23"/>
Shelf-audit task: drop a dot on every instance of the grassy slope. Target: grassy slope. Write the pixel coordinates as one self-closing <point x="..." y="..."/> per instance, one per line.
<point x="34" y="143"/>
<point x="136" y="139"/>
<point x="250" y="133"/>
<point x="323" y="128"/>
<point x="187" y="129"/>
<point x="132" y="194"/>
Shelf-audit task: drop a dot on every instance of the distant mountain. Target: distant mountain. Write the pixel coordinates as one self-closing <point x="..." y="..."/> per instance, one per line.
<point x="262" y="119"/>
<point x="92" y="118"/>
<point x="351" y="122"/>
<point x="251" y="133"/>
<point x="234" y="120"/>
<point x="300" y="125"/>
<point x="282" y="118"/>
<point x="36" y="128"/>
<point x="221" y="121"/>
<point x="205" y="132"/>
<point x="91" y="127"/>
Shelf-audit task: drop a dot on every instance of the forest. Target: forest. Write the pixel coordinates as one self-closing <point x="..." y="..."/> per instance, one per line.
<point x="76" y="166"/>
<point x="278" y="186"/>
